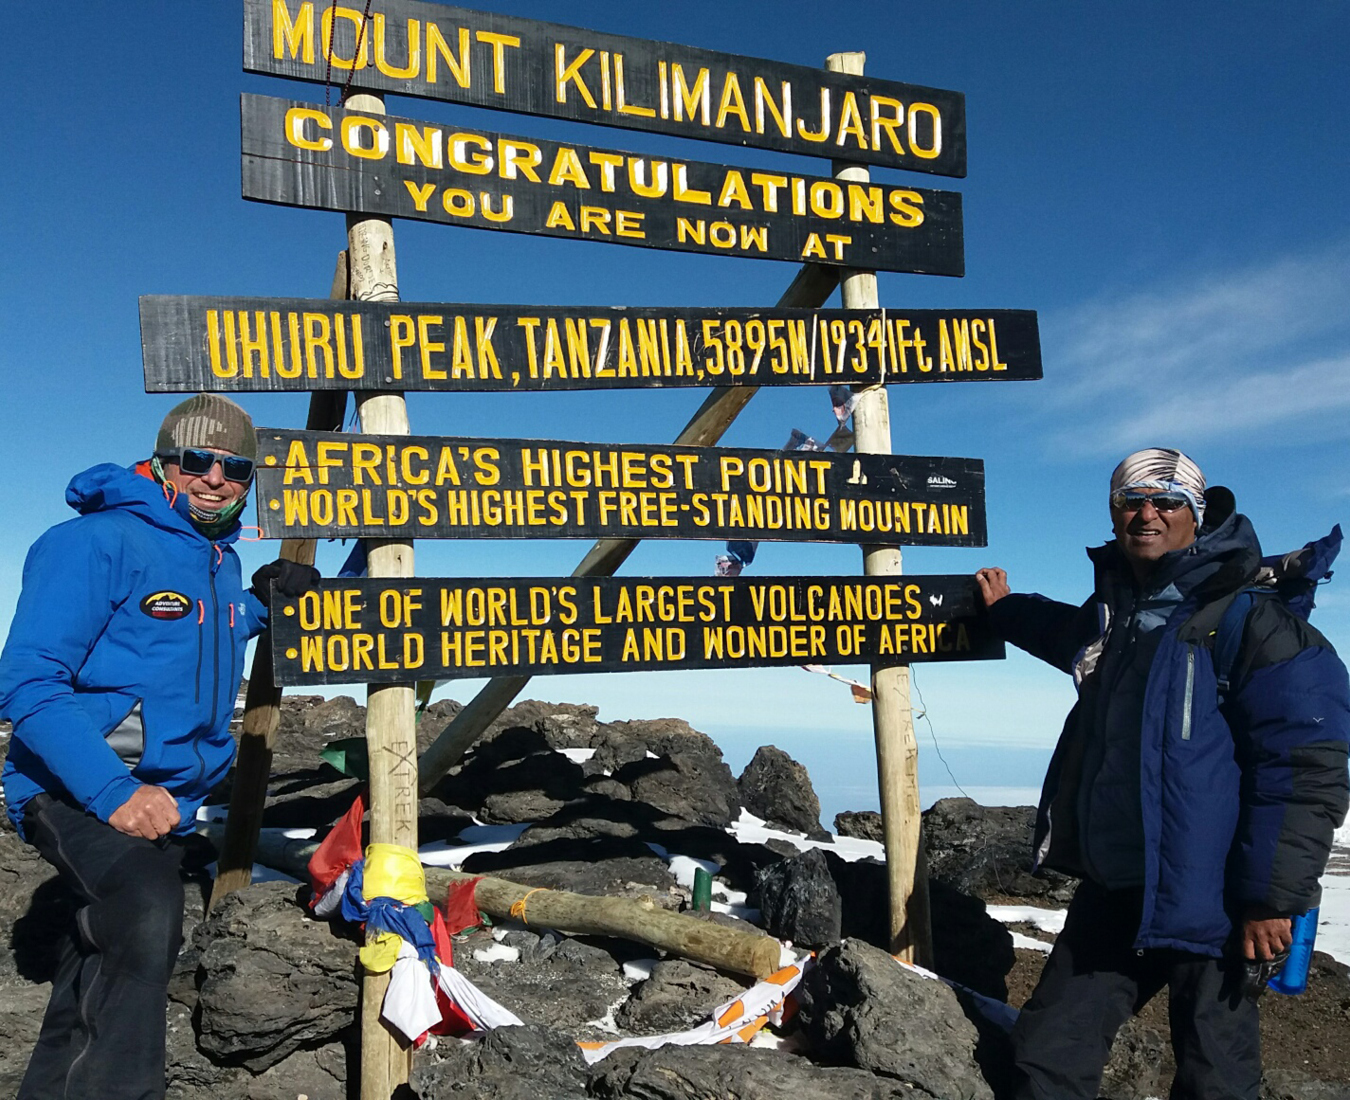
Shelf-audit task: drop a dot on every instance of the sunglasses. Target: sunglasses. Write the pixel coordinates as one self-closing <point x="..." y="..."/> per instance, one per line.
<point x="1162" y="502"/>
<point x="198" y="462"/>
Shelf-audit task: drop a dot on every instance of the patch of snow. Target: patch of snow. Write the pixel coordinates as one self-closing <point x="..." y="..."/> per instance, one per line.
<point x="1333" y="921"/>
<point x="299" y="834"/>
<point x="749" y="829"/>
<point x="683" y="868"/>
<point x="476" y="838"/>
<point x="260" y="874"/>
<point x="728" y="895"/>
<point x="741" y="912"/>
<point x="638" y="970"/>
<point x="606" y="1022"/>
<point x="498" y="952"/>
<point x="577" y="756"/>
<point x="651" y="755"/>
<point x="1029" y="943"/>
<point x="1047" y="920"/>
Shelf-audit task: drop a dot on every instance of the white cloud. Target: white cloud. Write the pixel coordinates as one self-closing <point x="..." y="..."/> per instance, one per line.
<point x="1263" y="347"/>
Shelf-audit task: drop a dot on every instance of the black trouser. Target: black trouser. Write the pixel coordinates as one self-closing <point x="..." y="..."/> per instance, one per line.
<point x="103" y="1035"/>
<point x="1095" y="980"/>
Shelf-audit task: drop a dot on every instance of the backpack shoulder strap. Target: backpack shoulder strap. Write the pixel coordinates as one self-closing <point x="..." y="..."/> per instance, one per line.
<point x="1228" y="638"/>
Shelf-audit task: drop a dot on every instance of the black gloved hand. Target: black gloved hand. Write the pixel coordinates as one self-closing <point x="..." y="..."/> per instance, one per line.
<point x="286" y="578"/>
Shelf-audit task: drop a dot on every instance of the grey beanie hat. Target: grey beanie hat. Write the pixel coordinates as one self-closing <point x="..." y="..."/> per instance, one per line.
<point x="208" y="420"/>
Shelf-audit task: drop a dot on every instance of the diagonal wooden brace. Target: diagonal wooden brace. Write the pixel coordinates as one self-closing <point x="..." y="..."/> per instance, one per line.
<point x="809" y="290"/>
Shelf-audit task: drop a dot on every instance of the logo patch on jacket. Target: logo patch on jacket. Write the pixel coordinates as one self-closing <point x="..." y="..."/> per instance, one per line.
<point x="166" y="605"/>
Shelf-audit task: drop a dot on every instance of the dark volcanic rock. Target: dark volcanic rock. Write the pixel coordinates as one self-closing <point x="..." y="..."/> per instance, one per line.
<point x="861" y="1008"/>
<point x="569" y="985"/>
<point x="693" y="785"/>
<point x="776" y="788"/>
<point x="986" y="851"/>
<point x="739" y="1072"/>
<point x="272" y="980"/>
<point x="969" y="946"/>
<point x="1285" y="1084"/>
<point x="35" y="911"/>
<point x="1134" y="1071"/>
<point x="21" y="1007"/>
<point x="798" y="900"/>
<point x="533" y="1062"/>
<point x="861" y="824"/>
<point x="678" y="995"/>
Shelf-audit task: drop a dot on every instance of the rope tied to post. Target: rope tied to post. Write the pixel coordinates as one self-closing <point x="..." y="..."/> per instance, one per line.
<point x="518" y="907"/>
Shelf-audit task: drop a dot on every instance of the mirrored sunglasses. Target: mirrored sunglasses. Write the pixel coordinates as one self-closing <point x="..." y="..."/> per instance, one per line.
<point x="198" y="462"/>
<point x="1162" y="502"/>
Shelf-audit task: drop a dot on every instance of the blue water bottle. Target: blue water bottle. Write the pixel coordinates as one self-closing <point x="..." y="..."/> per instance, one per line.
<point x="1293" y="975"/>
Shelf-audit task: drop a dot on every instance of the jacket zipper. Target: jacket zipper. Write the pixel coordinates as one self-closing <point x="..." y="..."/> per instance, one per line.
<point x="1190" y="691"/>
<point x="201" y="618"/>
<point x="215" y="662"/>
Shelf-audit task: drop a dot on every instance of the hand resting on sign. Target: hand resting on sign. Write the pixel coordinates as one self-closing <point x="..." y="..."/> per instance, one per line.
<point x="993" y="584"/>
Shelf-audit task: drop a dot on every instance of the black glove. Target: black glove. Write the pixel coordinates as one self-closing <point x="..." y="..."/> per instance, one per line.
<point x="1256" y="973"/>
<point x="285" y="578"/>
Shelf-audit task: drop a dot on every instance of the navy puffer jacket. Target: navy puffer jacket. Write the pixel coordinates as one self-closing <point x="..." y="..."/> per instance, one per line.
<point x="1239" y="805"/>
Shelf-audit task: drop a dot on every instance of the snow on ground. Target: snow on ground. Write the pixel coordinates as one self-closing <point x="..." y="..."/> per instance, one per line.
<point x="1333" y="924"/>
<point x="749" y="829"/>
<point x="1030" y="943"/>
<point x="474" y="838"/>
<point x="1047" y="920"/>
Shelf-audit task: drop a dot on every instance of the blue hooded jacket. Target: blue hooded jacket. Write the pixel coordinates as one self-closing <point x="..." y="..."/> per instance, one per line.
<point x="126" y="652"/>
<point x="1239" y="798"/>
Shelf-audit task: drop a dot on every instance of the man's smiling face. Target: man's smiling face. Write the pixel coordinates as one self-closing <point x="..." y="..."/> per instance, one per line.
<point x="208" y="492"/>
<point x="1144" y="532"/>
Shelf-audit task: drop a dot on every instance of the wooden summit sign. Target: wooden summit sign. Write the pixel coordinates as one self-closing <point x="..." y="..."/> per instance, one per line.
<point x="374" y="631"/>
<point x="328" y="158"/>
<point x="274" y="344"/>
<point x="512" y="64"/>
<point x="329" y="485"/>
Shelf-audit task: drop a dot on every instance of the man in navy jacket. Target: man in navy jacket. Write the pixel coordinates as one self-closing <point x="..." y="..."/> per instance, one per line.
<point x="1198" y="824"/>
<point x="120" y="675"/>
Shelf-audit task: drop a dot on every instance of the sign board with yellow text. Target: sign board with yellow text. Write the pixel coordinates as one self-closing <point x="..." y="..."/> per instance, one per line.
<point x="295" y="344"/>
<point x="328" y="158"/>
<point x="390" y="631"/>
<point x="332" y="485"/>
<point x="499" y="61"/>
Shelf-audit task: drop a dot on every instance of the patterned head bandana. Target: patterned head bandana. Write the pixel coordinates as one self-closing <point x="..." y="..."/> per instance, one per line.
<point x="1164" y="469"/>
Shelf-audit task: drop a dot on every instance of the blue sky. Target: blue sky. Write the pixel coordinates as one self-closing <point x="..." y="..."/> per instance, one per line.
<point x="1165" y="184"/>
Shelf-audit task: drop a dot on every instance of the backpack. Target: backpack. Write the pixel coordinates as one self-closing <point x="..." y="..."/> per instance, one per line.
<point x="1291" y="578"/>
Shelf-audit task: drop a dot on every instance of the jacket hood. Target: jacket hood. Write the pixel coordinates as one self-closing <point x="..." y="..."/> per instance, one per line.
<point x="1224" y="558"/>
<point x="108" y="487"/>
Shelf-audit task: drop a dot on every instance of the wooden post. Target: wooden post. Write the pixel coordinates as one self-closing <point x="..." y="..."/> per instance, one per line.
<point x="809" y="290"/>
<point x="892" y="717"/>
<point x="262" y="703"/>
<point x="391" y="731"/>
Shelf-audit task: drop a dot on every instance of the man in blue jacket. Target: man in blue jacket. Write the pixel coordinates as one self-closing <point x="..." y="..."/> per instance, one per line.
<point x="120" y="676"/>
<point x="1199" y="824"/>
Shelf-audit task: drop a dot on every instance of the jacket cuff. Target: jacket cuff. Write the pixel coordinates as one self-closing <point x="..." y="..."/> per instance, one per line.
<point x="258" y="615"/>
<point x="113" y="797"/>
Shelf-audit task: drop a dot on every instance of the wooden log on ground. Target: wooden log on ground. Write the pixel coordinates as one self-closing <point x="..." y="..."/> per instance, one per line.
<point x="750" y="953"/>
